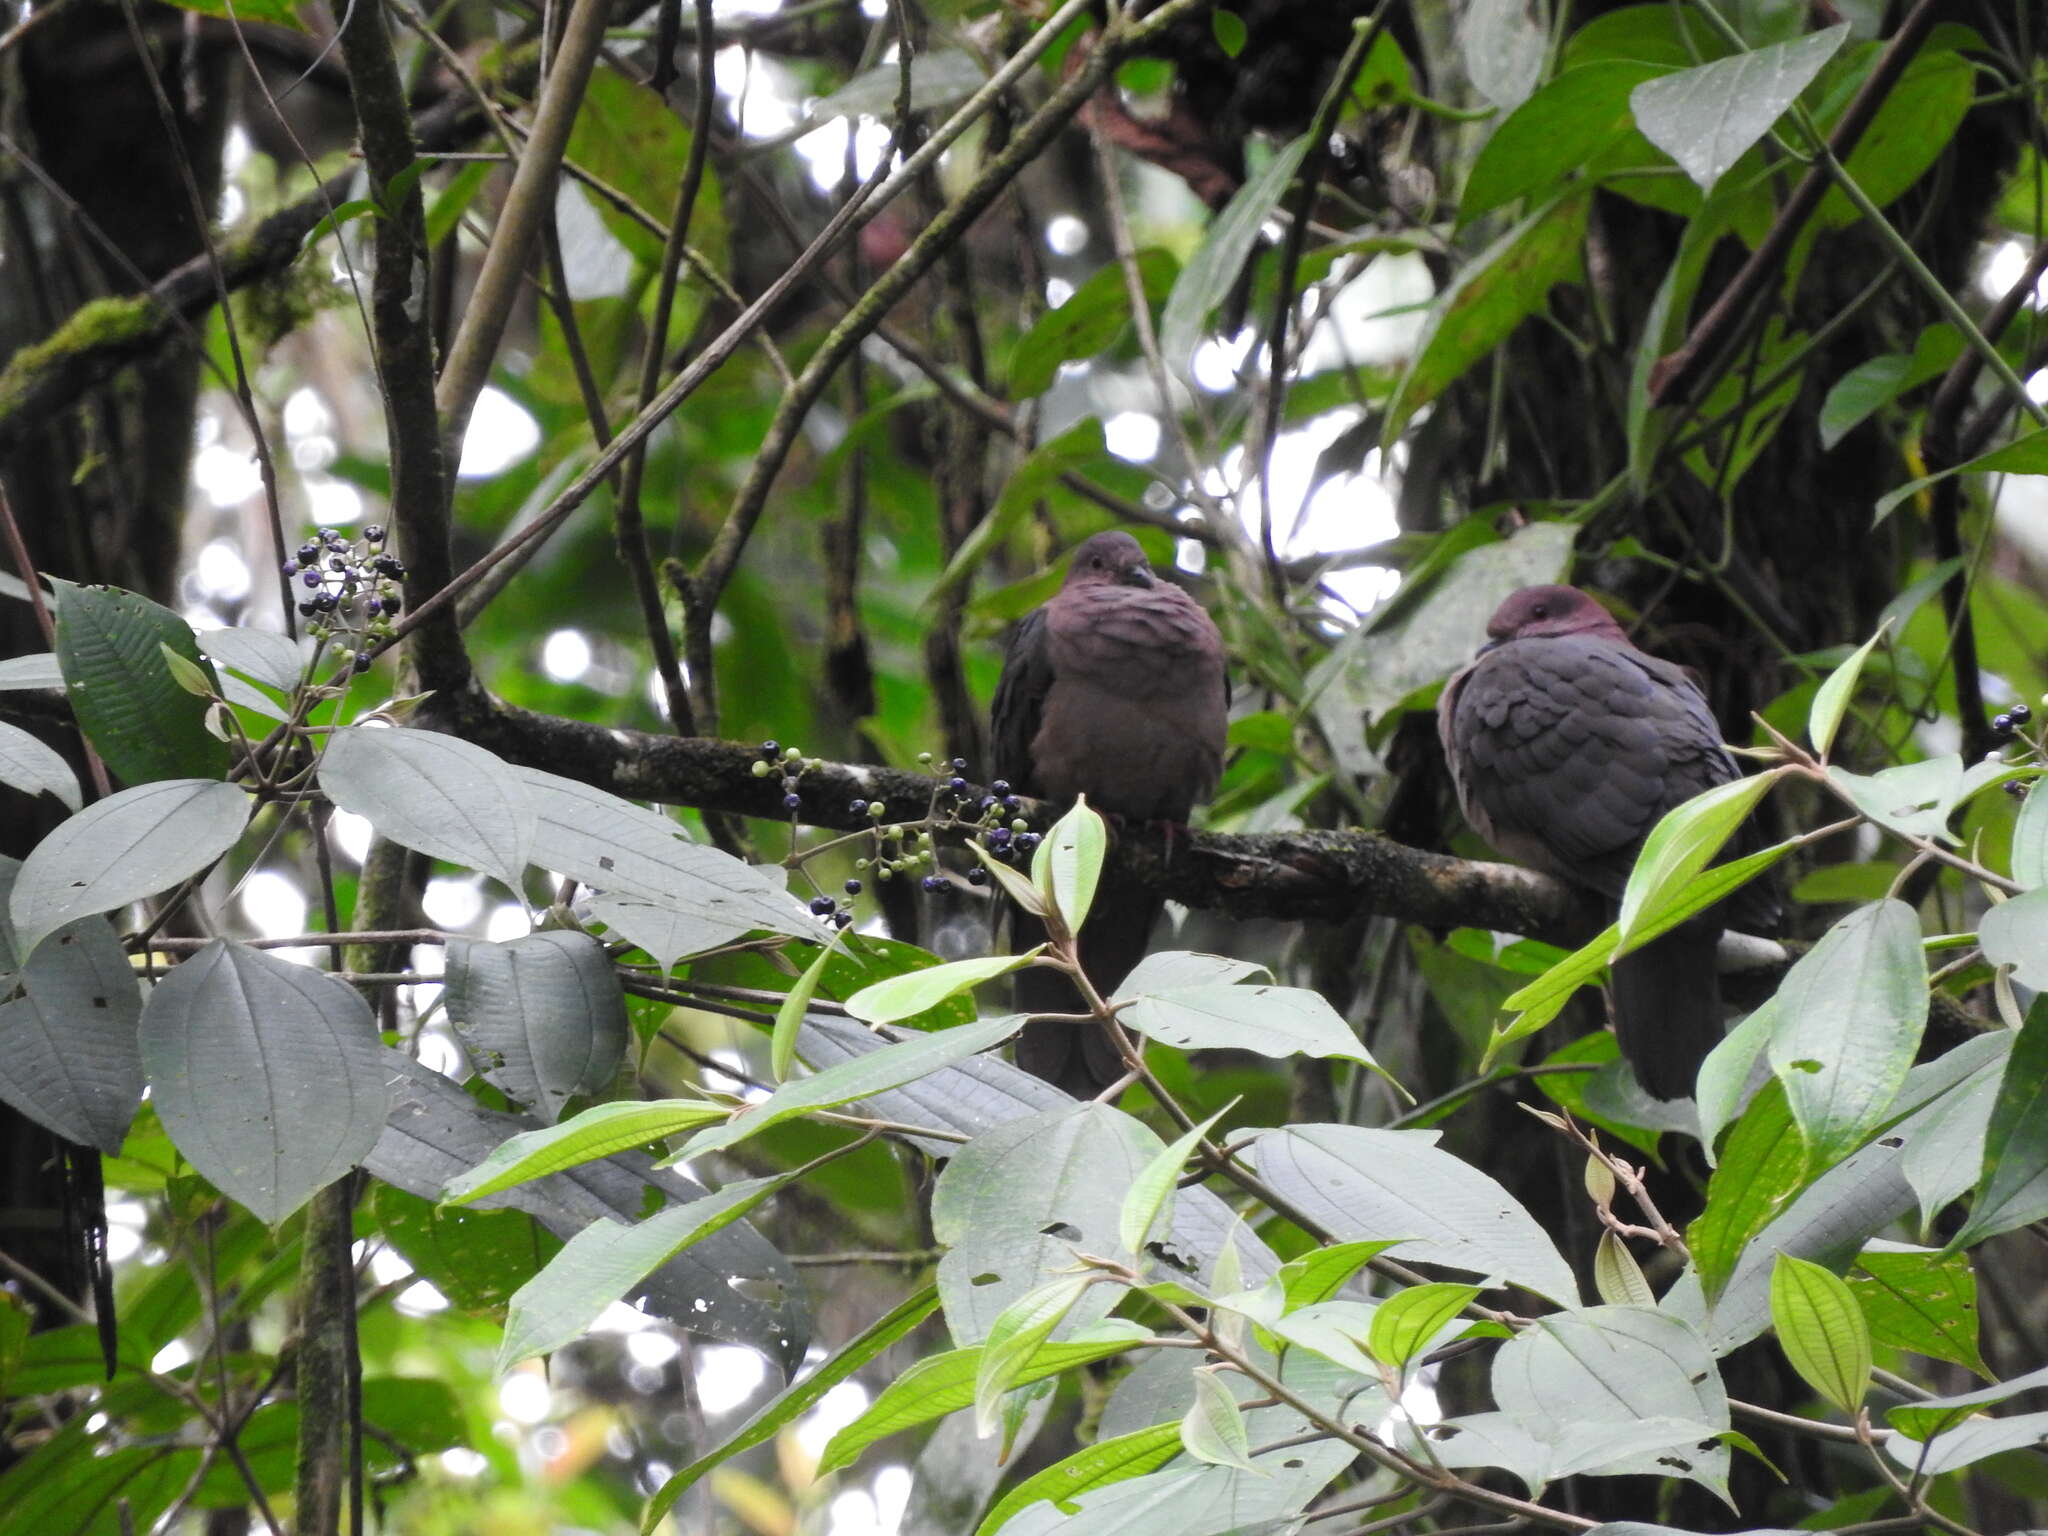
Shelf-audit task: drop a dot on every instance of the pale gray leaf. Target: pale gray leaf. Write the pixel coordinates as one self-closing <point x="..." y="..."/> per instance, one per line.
<point x="1274" y="1021"/>
<point x="35" y="767"/>
<point x="1171" y="969"/>
<point x="543" y="1014"/>
<point x="615" y="846"/>
<point x="68" y="1053"/>
<point x="436" y="794"/>
<point x="666" y="934"/>
<point x="937" y="79"/>
<point x="1364" y="1184"/>
<point x="2015" y="933"/>
<point x="1707" y="117"/>
<point x="1913" y="800"/>
<point x="262" y="654"/>
<point x="1503" y="46"/>
<point x="36" y="671"/>
<point x="1014" y="1205"/>
<point x="268" y="1076"/>
<point x="1969" y="1442"/>
<point x="733" y="1286"/>
<point x="123" y="848"/>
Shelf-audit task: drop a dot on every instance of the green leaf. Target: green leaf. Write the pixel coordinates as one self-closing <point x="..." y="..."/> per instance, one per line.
<point x="1544" y="998"/>
<point x="1831" y="884"/>
<point x="1933" y="1416"/>
<point x="1706" y="117"/>
<point x="1559" y="130"/>
<point x="1821" y="1330"/>
<point x="135" y="713"/>
<point x="1914" y="125"/>
<point x="1831" y="699"/>
<point x="1094" y="1466"/>
<point x="786" y="1406"/>
<point x="598" y="1132"/>
<point x="2024" y="455"/>
<point x="607" y="1259"/>
<point x="1014" y="884"/>
<point x="630" y="139"/>
<point x="269" y="1076"/>
<point x="1013" y="1338"/>
<point x="1491" y="294"/>
<point x="1726" y="1072"/>
<point x="899" y="997"/>
<point x="1227" y="27"/>
<point x="1870" y="386"/>
<point x="1209" y="275"/>
<point x="1322" y="1273"/>
<point x="1408" y="1321"/>
<point x="1850" y="1015"/>
<point x="789" y="1017"/>
<point x="1617" y="1276"/>
<point x="1678" y="848"/>
<point x="1094" y="315"/>
<point x="121" y="849"/>
<point x="1213" y="1430"/>
<point x="941" y="1384"/>
<point x="1067" y="864"/>
<point x="1151" y="1193"/>
<point x="1762" y="1166"/>
<point x="2013" y="1190"/>
<point x="891" y="1067"/>
<point x="1921" y="1301"/>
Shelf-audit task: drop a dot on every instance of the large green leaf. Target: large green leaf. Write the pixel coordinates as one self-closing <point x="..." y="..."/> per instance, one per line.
<point x="1092" y="318"/>
<point x="1821" y="1330"/>
<point x="1559" y="130"/>
<point x="1207" y="279"/>
<point x="1492" y="294"/>
<point x="1849" y="1018"/>
<point x="70" y="1060"/>
<point x="1920" y="1301"/>
<point x="543" y="1015"/>
<point x="2013" y="1190"/>
<point x="137" y="715"/>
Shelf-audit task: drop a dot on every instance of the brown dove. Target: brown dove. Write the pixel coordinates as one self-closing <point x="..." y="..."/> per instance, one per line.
<point x="1566" y="745"/>
<point x="1115" y="690"/>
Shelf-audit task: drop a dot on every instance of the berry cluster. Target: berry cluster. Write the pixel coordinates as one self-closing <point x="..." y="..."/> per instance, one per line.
<point x="792" y="762"/>
<point x="351" y="589"/>
<point x="2005" y="727"/>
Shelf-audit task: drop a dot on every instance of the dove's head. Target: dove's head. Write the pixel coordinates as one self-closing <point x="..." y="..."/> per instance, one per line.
<point x="1541" y="611"/>
<point x="1110" y="559"/>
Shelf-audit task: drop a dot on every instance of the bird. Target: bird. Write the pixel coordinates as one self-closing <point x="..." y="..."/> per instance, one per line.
<point x="1114" y="689"/>
<point x="1566" y="745"/>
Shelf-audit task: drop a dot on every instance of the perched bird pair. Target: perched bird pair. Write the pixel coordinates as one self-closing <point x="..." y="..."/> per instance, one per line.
<point x="1566" y="745"/>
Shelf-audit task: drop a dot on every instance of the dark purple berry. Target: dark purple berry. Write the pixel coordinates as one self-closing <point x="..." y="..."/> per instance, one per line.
<point x="329" y="533"/>
<point x="1027" y="841"/>
<point x="2001" y="725"/>
<point x="326" y="602"/>
<point x="977" y="876"/>
<point x="843" y="920"/>
<point x="988" y="802"/>
<point x="857" y="807"/>
<point x="308" y="552"/>
<point x="291" y="567"/>
<point x="771" y="748"/>
<point x="374" y="606"/>
<point x="956" y="783"/>
<point x="364" y="660"/>
<point x="308" y="609"/>
<point x="1001" y="787"/>
<point x="1012" y="803"/>
<point x="853" y="887"/>
<point x="998" y="837"/>
<point x="823" y="906"/>
<point x="2020" y="714"/>
<point x="310" y="578"/>
<point x="959" y="765"/>
<point x="933" y="883"/>
<point x="792" y="802"/>
<point x="391" y="602"/>
<point x="374" y="533"/>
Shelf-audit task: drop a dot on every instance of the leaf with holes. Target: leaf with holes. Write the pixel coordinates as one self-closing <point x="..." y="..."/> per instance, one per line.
<point x="34" y="767"/>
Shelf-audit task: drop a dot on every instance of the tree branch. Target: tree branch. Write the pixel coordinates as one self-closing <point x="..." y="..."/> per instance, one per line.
<point x="1312" y="876"/>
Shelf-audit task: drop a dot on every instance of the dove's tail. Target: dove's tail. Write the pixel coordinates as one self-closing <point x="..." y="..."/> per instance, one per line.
<point x="1079" y="1057"/>
<point x="1667" y="1008"/>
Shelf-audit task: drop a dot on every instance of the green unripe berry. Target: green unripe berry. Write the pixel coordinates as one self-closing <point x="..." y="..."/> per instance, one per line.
<point x="760" y="769"/>
<point x="790" y="754"/>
